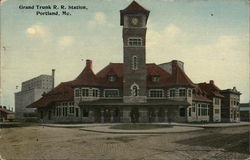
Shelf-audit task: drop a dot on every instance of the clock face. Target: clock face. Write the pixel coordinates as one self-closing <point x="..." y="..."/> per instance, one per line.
<point x="134" y="21"/>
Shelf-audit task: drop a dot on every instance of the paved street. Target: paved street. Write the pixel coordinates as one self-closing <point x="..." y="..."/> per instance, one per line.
<point x="38" y="142"/>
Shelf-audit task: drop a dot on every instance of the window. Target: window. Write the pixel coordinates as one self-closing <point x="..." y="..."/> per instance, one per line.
<point x="77" y="93"/>
<point x="155" y="78"/>
<point x="135" y="91"/>
<point x="182" y="112"/>
<point x="172" y="93"/>
<point x="216" y="101"/>
<point x="156" y="93"/>
<point x="59" y="112"/>
<point x="134" y="63"/>
<point x="193" y="108"/>
<point x="189" y="93"/>
<point x="71" y="110"/>
<point x="85" y="92"/>
<point x="135" y="42"/>
<point x="189" y="112"/>
<point x="204" y="109"/>
<point x="77" y="112"/>
<point x="111" y="78"/>
<point x="199" y="109"/>
<point x="111" y="93"/>
<point x="65" y="111"/>
<point x="182" y="92"/>
<point x="95" y="93"/>
<point x="85" y="112"/>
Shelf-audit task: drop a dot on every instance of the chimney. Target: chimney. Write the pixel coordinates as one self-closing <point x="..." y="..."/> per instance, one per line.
<point x="89" y="63"/>
<point x="174" y="66"/>
<point x="53" y="78"/>
<point x="211" y="82"/>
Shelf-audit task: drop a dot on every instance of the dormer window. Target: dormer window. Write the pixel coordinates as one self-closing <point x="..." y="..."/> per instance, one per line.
<point x="111" y="78"/>
<point x="155" y="78"/>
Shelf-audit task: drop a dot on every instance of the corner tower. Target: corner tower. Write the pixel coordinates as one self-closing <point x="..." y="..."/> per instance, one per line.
<point x="134" y="20"/>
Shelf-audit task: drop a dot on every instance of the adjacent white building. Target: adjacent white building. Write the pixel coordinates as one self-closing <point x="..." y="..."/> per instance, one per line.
<point x="31" y="91"/>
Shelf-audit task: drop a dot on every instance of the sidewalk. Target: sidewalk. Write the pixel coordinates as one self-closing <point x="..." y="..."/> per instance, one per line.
<point x="174" y="129"/>
<point x="212" y="125"/>
<point x="207" y="125"/>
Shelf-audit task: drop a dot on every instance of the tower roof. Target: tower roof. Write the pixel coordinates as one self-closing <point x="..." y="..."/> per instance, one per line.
<point x="133" y="8"/>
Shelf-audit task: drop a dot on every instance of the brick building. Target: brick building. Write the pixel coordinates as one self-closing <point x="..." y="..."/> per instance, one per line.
<point x="230" y="107"/>
<point x="132" y="91"/>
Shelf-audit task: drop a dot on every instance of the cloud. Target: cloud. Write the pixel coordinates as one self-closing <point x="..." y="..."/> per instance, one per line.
<point x="98" y="18"/>
<point x="169" y="35"/>
<point x="172" y="30"/>
<point x="66" y="41"/>
<point x="226" y="42"/>
<point x="37" y="30"/>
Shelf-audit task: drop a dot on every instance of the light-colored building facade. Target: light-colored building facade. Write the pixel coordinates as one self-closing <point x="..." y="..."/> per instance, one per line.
<point x="31" y="91"/>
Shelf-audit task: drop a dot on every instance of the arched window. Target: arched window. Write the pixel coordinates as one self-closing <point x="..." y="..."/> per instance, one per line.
<point x="134" y="63"/>
<point x="134" y="89"/>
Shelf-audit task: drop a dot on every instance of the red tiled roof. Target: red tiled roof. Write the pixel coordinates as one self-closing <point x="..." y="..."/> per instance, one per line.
<point x="65" y="91"/>
<point x="111" y="69"/>
<point x="134" y="6"/>
<point x="87" y="76"/>
<point x="211" y="89"/>
<point x="6" y="111"/>
<point x="115" y="68"/>
<point x="178" y="76"/>
<point x="200" y="95"/>
<point x="201" y="98"/>
<point x="153" y="69"/>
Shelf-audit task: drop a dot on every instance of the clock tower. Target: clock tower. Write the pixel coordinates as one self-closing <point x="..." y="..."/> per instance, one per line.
<point x="134" y="20"/>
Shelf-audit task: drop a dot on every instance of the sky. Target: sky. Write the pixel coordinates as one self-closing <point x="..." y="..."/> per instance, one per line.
<point x="211" y="37"/>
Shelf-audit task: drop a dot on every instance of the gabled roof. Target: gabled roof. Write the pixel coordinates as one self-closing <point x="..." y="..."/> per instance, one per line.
<point x="115" y="68"/>
<point x="133" y="8"/>
<point x="63" y="92"/>
<point x="178" y="76"/>
<point x="200" y="95"/>
<point x="211" y="89"/>
<point x="111" y="69"/>
<point x="153" y="69"/>
<point x="6" y="111"/>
